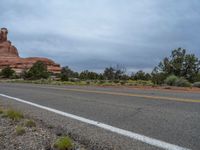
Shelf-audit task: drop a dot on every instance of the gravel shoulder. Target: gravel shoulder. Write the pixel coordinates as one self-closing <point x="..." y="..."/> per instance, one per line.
<point x="18" y="135"/>
<point x="86" y="136"/>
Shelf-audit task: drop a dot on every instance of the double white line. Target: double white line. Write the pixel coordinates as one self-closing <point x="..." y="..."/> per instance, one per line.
<point x="135" y="136"/>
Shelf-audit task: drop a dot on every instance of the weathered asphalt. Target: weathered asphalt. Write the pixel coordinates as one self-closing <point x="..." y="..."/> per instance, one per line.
<point x="175" y="122"/>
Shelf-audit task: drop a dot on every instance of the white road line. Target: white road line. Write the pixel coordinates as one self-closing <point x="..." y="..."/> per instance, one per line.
<point x="135" y="136"/>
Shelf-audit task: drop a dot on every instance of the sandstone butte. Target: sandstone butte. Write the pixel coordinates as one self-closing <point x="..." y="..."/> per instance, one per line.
<point x="9" y="56"/>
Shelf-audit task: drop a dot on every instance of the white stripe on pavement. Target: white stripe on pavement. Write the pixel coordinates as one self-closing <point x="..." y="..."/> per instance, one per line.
<point x="135" y="136"/>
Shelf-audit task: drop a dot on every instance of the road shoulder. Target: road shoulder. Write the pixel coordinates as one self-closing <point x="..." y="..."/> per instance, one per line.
<point x="90" y="136"/>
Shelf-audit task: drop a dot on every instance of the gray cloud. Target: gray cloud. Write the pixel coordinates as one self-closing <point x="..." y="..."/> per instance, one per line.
<point x="93" y="34"/>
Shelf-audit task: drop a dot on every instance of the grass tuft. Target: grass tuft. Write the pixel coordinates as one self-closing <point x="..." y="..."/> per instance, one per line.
<point x="63" y="143"/>
<point x="14" y="115"/>
<point x="30" y="123"/>
<point x="20" y="130"/>
<point x="1" y="111"/>
<point x="50" y="126"/>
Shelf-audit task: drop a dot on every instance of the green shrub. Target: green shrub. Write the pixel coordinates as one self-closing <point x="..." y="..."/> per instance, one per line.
<point x="30" y="123"/>
<point x="37" y="71"/>
<point x="116" y="81"/>
<point x="171" y="80"/>
<point x="182" y="82"/>
<point x="7" y="72"/>
<point x="1" y="111"/>
<point x="196" y="84"/>
<point x="64" y="78"/>
<point x="63" y="143"/>
<point x="20" y="130"/>
<point x="101" y="82"/>
<point x="139" y="82"/>
<point x="123" y="82"/>
<point x="14" y="115"/>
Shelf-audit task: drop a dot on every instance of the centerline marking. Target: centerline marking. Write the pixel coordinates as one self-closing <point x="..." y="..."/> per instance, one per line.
<point x="132" y="135"/>
<point x="128" y="94"/>
<point x="137" y="95"/>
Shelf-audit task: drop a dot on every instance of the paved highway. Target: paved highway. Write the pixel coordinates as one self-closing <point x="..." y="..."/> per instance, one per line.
<point x="172" y="117"/>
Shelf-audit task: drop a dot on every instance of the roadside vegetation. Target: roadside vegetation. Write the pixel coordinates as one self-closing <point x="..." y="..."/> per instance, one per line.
<point x="18" y="131"/>
<point x="30" y="123"/>
<point x="14" y="115"/>
<point x="179" y="69"/>
<point x="63" y="143"/>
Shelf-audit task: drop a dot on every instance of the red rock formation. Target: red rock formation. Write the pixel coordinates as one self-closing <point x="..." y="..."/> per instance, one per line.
<point x="9" y="57"/>
<point x="6" y="48"/>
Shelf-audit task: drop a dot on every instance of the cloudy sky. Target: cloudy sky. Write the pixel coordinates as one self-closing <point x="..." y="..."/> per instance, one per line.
<point x="94" y="34"/>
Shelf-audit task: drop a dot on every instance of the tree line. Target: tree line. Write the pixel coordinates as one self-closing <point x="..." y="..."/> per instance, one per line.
<point x="179" y="65"/>
<point x="179" y="68"/>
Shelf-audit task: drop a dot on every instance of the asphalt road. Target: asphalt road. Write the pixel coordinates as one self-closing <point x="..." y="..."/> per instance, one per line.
<point x="173" y="117"/>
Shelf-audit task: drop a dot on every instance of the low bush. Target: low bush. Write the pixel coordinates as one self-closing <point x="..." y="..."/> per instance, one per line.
<point x="88" y="82"/>
<point x="171" y="80"/>
<point x="74" y="80"/>
<point x="122" y="82"/>
<point x="196" y="84"/>
<point x="139" y="83"/>
<point x="7" y="72"/>
<point x="101" y="82"/>
<point x="63" y="143"/>
<point x="37" y="71"/>
<point x="116" y="81"/>
<point x="182" y="82"/>
<point x="20" y="130"/>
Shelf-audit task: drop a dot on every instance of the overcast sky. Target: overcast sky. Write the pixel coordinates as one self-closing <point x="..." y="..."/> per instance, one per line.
<point x="94" y="34"/>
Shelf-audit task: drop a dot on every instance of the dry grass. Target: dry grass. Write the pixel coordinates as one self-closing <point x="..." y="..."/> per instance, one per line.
<point x="63" y="143"/>
<point x="20" y="130"/>
<point x="30" y="123"/>
<point x="14" y="115"/>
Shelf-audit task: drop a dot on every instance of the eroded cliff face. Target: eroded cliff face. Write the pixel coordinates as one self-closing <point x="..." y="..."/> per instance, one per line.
<point x="9" y="56"/>
<point x="6" y="47"/>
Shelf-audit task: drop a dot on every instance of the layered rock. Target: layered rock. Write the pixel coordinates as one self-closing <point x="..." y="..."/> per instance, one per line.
<point x="6" y="48"/>
<point x="9" y="57"/>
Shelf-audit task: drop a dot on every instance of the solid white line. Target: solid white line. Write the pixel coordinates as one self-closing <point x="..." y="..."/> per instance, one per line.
<point x="135" y="136"/>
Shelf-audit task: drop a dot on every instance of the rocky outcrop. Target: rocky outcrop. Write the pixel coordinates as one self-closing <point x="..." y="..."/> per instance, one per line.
<point x="6" y="48"/>
<point x="9" y="57"/>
